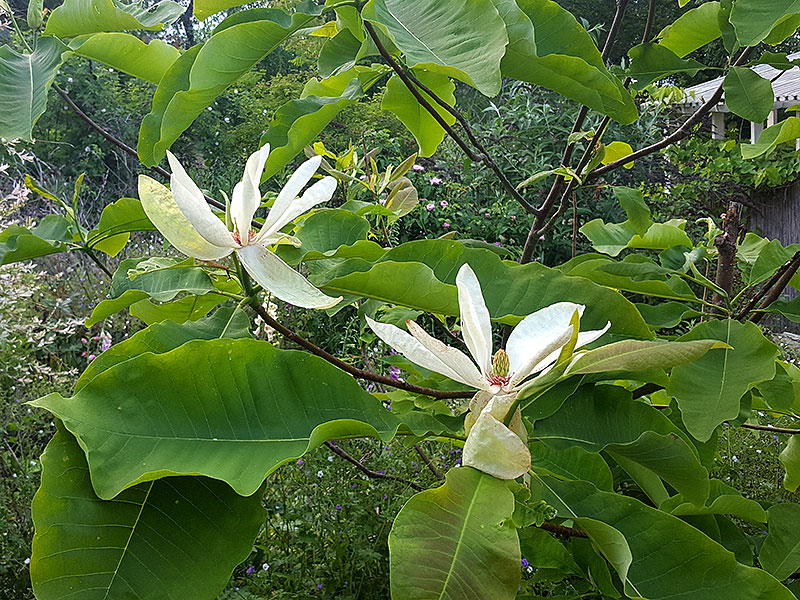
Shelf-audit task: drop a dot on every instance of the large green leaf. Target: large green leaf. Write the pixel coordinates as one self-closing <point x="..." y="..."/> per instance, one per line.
<point x="748" y="95"/>
<point x="128" y="54"/>
<point x="692" y="30"/>
<point x="605" y="418"/>
<point x="456" y="541"/>
<point x="116" y="222"/>
<point x="722" y="500"/>
<point x="233" y="410"/>
<point x="18" y="243"/>
<point x="24" y="81"/>
<point x="543" y="551"/>
<point x="339" y="53"/>
<point x="708" y="390"/>
<point x="295" y="124"/>
<point x="397" y="99"/>
<point x="651" y="62"/>
<point x="573" y="462"/>
<point x="188" y="308"/>
<point x="174" y="538"/>
<point x="441" y="36"/>
<point x="671" y="559"/>
<point x="78" y="17"/>
<point x="755" y="19"/>
<point x="641" y="355"/>
<point x="780" y="554"/>
<point x="168" y="335"/>
<point x="421" y="274"/>
<point x="613" y="238"/>
<point x="787" y="130"/>
<point x="203" y="72"/>
<point x="205" y="8"/>
<point x="548" y="47"/>
<point x="325" y="231"/>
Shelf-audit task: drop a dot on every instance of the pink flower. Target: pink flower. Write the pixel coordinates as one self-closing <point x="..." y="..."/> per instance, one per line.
<point x="541" y="238"/>
<point x="418" y="168"/>
<point x="513" y="217"/>
<point x="430" y="206"/>
<point x="487" y="215"/>
<point x="443" y="203"/>
<point x="84" y="340"/>
<point x="92" y="356"/>
<point x="436" y="181"/>
<point x="446" y="225"/>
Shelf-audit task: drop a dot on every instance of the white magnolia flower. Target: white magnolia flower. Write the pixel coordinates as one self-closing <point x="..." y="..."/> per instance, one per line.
<point x="533" y="346"/>
<point x="186" y="220"/>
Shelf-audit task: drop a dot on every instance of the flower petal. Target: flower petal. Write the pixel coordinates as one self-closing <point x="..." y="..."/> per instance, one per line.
<point x="282" y="280"/>
<point x="288" y="194"/>
<point x="455" y="359"/>
<point x="416" y="352"/>
<point x="246" y="194"/>
<point x="193" y="205"/>
<point x="537" y="335"/>
<point x="321" y="191"/>
<point x="493" y="448"/>
<point x="161" y="209"/>
<point x="584" y="337"/>
<point x="476" y="327"/>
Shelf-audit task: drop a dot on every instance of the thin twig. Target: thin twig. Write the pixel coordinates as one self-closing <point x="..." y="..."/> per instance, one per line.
<point x="563" y="530"/>
<point x="778" y="288"/>
<point x="753" y="426"/>
<point x="428" y="462"/>
<point x="354" y="371"/>
<point x="334" y="447"/>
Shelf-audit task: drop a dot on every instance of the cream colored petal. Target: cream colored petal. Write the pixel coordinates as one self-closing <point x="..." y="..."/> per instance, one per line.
<point x="193" y="205"/>
<point x="290" y="191"/>
<point x="537" y="335"/>
<point x="456" y="360"/>
<point x="163" y="212"/>
<point x="246" y="196"/>
<point x="584" y="337"/>
<point x="413" y="350"/>
<point x="476" y="406"/>
<point x="493" y="448"/>
<point x="320" y="192"/>
<point x="274" y="275"/>
<point x="476" y="326"/>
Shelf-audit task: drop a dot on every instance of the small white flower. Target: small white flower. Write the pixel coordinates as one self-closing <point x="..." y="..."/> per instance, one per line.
<point x="533" y="346"/>
<point x="186" y="220"/>
<point x="265" y="567"/>
<point x="320" y="474"/>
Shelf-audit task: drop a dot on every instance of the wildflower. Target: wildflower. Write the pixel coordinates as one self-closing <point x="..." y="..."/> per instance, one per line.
<point x="92" y="357"/>
<point x="513" y="217"/>
<point x="319" y="586"/>
<point x="301" y="462"/>
<point x="338" y="507"/>
<point x="430" y="206"/>
<point x="436" y="181"/>
<point x="541" y="238"/>
<point x="445" y="225"/>
<point x="250" y="570"/>
<point x="320" y="474"/>
<point x="418" y="168"/>
<point x="265" y="567"/>
<point x="186" y="220"/>
<point x="105" y="344"/>
<point x="533" y="346"/>
<point x="525" y="562"/>
<point x="487" y="215"/>
<point x="443" y="204"/>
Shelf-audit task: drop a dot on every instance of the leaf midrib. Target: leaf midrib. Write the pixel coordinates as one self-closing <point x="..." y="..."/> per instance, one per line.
<point x="460" y="540"/>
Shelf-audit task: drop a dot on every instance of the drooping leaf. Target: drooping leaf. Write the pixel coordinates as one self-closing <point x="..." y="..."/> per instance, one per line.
<point x="666" y="314"/>
<point x="790" y="459"/>
<point x="692" y="30"/>
<point x="605" y="418"/>
<point x="611" y="544"/>
<point x="24" y="82"/>
<point x="780" y="553"/>
<point x="188" y="308"/>
<point x="642" y="355"/>
<point x="128" y="54"/>
<point x="398" y="100"/>
<point x="783" y="29"/>
<point x="49" y="237"/>
<point x="722" y="500"/>
<point x="787" y="130"/>
<point x="548" y="47"/>
<point x="748" y="95"/>
<point x="543" y="551"/>
<point x="78" y="17"/>
<point x="295" y="124"/>
<point x="708" y="390"/>
<point x="754" y="20"/>
<point x="421" y="275"/>
<point x="686" y="563"/>
<point x="613" y="238"/>
<point x="651" y="62"/>
<point x="339" y="53"/>
<point x="456" y="541"/>
<point x="241" y="410"/>
<point x="116" y="222"/>
<point x="181" y="536"/>
<point x="440" y="36"/>
<point x="205" y="71"/>
<point x="571" y="463"/>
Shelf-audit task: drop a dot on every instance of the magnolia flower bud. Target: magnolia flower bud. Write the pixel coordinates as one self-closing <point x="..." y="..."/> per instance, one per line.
<point x="500" y="364"/>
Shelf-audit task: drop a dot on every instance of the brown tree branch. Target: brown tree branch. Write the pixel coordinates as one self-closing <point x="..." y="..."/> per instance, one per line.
<point x="725" y="243"/>
<point x="789" y="269"/>
<point x="348" y="368"/>
<point x="562" y="530"/>
<point x="334" y="447"/>
<point x="428" y="462"/>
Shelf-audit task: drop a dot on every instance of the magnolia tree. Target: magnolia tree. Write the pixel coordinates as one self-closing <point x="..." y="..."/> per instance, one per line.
<point x="153" y="484"/>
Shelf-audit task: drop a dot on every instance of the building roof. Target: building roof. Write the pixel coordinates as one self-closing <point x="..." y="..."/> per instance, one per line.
<point x="786" y="85"/>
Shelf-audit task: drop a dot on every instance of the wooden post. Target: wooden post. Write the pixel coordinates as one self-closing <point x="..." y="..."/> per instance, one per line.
<point x="755" y="131"/>
<point x="718" y="125"/>
<point x="772" y="118"/>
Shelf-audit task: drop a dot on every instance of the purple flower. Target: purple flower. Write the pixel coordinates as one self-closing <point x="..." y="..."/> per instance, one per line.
<point x="92" y="356"/>
<point x="487" y="215"/>
<point x="418" y="168"/>
<point x="497" y="244"/>
<point x="443" y="204"/>
<point x="430" y="206"/>
<point x="319" y="586"/>
<point x="83" y="340"/>
<point x="105" y="344"/>
<point x="338" y="507"/>
<point x="776" y="438"/>
<point x="301" y="462"/>
<point x="541" y="238"/>
<point x="525" y="562"/>
<point x="394" y="373"/>
<point x="445" y="225"/>
<point x="436" y="181"/>
<point x="250" y="570"/>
